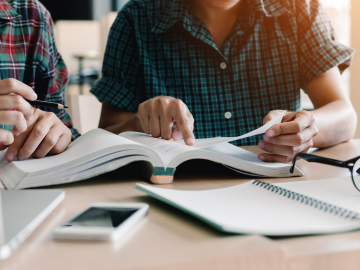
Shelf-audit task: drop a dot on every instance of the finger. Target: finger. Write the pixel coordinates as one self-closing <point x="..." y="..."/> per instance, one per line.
<point x="15" y="131"/>
<point x="166" y="127"/>
<point x="283" y="150"/>
<point x="61" y="145"/>
<point x="16" y="102"/>
<point x="145" y="124"/>
<point x="49" y="142"/>
<point x="6" y="138"/>
<point x="271" y="115"/>
<point x="176" y="135"/>
<point x="301" y="122"/>
<point x="15" y="147"/>
<point x="293" y="139"/>
<point x="185" y="128"/>
<point x="144" y="121"/>
<point x="36" y="136"/>
<point x="280" y="158"/>
<point x="166" y="121"/>
<point x="143" y="117"/>
<point x="274" y="158"/>
<point x="14" y="118"/>
<point x="286" y="152"/>
<point x="154" y="126"/>
<point x="12" y="86"/>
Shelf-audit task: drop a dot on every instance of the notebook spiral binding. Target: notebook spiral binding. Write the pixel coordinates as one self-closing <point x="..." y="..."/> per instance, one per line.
<point x="326" y="207"/>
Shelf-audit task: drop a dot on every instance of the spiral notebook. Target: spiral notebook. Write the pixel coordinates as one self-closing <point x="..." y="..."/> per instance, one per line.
<point x="294" y="208"/>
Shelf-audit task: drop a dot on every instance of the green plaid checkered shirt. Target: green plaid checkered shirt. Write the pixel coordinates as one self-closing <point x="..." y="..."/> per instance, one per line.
<point x="276" y="48"/>
<point x="28" y="53"/>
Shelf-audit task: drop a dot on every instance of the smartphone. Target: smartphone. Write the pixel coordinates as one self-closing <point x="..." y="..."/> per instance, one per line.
<point x="102" y="222"/>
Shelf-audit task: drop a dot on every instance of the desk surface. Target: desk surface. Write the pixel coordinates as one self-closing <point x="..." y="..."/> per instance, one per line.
<point x="170" y="239"/>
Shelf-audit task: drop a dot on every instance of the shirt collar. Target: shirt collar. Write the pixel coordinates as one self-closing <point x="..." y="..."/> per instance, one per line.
<point x="271" y="8"/>
<point x="175" y="10"/>
<point x="7" y="12"/>
<point x="172" y="12"/>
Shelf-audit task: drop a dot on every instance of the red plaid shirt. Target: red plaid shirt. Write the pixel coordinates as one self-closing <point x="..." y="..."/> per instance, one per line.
<point x="28" y="52"/>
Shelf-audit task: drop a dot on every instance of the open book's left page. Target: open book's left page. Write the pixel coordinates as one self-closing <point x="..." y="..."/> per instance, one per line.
<point x="89" y="143"/>
<point x="95" y="152"/>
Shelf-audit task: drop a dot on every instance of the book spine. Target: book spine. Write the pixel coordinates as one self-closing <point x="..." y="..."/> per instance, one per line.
<point x="162" y="176"/>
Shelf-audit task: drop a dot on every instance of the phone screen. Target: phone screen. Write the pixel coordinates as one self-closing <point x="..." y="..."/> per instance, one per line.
<point x="102" y="217"/>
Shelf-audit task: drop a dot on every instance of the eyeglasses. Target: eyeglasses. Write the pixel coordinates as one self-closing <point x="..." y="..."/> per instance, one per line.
<point x="352" y="164"/>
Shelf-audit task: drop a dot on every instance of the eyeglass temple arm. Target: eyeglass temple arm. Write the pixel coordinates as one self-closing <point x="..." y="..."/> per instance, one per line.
<point x="318" y="159"/>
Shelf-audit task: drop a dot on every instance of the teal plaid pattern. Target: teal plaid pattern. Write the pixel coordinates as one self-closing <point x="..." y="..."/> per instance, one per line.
<point x="28" y="53"/>
<point x="158" y="47"/>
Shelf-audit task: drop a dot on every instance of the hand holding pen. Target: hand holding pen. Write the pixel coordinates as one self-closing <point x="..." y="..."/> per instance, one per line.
<point x="35" y="132"/>
<point x="14" y="110"/>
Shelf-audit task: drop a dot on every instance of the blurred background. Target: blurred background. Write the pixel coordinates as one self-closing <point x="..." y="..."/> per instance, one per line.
<point x="82" y="28"/>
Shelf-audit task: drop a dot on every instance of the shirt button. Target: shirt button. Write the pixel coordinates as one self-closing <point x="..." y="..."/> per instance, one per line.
<point x="228" y="115"/>
<point x="223" y="65"/>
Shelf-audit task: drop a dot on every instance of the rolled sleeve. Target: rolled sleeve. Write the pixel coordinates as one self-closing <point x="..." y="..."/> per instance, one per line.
<point x="319" y="48"/>
<point x="52" y="75"/>
<point x="122" y="82"/>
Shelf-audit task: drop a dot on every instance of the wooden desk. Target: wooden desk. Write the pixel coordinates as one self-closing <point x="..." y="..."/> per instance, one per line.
<point x="170" y="239"/>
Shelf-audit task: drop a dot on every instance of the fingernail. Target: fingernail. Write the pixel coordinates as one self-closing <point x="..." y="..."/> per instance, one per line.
<point x="261" y="145"/>
<point x="10" y="156"/>
<point x="271" y="133"/>
<point x="261" y="157"/>
<point x="266" y="138"/>
<point x="35" y="96"/>
<point x="20" y="157"/>
<point x="190" y="141"/>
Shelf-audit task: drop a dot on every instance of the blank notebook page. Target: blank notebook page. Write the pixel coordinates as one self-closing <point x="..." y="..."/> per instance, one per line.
<point x="250" y="208"/>
<point x="339" y="191"/>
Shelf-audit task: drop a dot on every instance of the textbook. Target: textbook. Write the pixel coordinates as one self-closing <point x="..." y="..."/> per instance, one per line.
<point x="282" y="209"/>
<point x="99" y="151"/>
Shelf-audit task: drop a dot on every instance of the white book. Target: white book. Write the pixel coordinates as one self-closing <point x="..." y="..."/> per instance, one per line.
<point x="99" y="151"/>
<point x="293" y="208"/>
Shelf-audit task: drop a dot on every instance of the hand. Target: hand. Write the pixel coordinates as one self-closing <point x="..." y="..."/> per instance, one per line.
<point x="294" y="135"/>
<point x="45" y="134"/>
<point x="14" y="109"/>
<point x="167" y="117"/>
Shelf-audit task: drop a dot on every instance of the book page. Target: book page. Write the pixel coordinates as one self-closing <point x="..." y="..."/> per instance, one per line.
<point x="243" y="155"/>
<point x="89" y="143"/>
<point x="160" y="145"/>
<point x="167" y="149"/>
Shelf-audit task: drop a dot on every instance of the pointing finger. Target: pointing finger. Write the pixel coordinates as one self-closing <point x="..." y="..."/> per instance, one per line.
<point x="301" y="122"/>
<point x="12" y="86"/>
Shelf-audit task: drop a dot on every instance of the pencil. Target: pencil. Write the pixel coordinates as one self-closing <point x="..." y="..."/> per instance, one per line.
<point x="45" y="104"/>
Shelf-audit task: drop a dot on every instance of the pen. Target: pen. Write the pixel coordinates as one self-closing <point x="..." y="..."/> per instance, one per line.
<point x="45" y="104"/>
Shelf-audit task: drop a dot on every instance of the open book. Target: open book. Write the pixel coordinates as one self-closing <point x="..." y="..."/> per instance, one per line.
<point x="99" y="151"/>
<point x="292" y="208"/>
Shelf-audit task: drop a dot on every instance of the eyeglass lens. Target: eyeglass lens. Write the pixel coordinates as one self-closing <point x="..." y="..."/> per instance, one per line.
<point x="356" y="174"/>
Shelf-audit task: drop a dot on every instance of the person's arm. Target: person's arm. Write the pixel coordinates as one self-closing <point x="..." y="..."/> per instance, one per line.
<point x="117" y="120"/>
<point x="334" y="114"/>
<point x="320" y="56"/>
<point x="47" y="132"/>
<point x="333" y="121"/>
<point x="122" y="91"/>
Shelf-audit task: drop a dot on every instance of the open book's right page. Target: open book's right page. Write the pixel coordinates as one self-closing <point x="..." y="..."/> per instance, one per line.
<point x="204" y="143"/>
